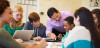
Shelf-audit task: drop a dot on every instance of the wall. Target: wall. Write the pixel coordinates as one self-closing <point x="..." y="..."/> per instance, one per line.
<point x="65" y="5"/>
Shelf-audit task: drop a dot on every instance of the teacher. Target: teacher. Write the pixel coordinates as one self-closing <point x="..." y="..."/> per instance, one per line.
<point x="55" y="27"/>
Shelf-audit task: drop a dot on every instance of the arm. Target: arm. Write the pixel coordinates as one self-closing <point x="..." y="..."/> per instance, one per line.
<point x="44" y="31"/>
<point x="7" y="41"/>
<point x="48" y="28"/>
<point x="49" y="31"/>
<point x="42" y="44"/>
<point x="34" y="46"/>
<point x="82" y="44"/>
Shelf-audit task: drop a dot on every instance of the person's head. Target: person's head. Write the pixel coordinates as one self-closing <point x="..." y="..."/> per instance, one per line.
<point x="34" y="19"/>
<point x="17" y="17"/>
<point x="17" y="13"/>
<point x="96" y="16"/>
<point x="85" y="18"/>
<point x="5" y="11"/>
<point x="95" y="3"/>
<point x="68" y="23"/>
<point x="54" y="14"/>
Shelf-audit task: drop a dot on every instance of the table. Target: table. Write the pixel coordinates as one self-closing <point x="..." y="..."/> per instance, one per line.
<point x="50" y="44"/>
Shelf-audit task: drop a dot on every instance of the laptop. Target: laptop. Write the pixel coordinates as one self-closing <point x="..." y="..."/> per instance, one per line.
<point x="23" y="34"/>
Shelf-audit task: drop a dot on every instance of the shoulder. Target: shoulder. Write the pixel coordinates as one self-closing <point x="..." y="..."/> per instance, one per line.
<point x="65" y="12"/>
<point x="79" y="28"/>
<point x="49" y="19"/>
<point x="78" y="33"/>
<point x="2" y="30"/>
<point x="6" y="25"/>
<point x="28" y="22"/>
<point x="42" y="26"/>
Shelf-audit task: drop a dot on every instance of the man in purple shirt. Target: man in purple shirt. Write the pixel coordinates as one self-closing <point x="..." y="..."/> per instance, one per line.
<point x="55" y="27"/>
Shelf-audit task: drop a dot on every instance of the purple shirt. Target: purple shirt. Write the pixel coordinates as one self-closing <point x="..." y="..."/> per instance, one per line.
<point x="58" y="25"/>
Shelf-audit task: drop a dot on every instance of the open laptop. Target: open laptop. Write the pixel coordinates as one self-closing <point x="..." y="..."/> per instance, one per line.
<point x="23" y="34"/>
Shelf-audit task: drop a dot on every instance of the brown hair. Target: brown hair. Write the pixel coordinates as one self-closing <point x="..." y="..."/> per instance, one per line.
<point x="97" y="13"/>
<point x="33" y="17"/>
<point x="3" y="5"/>
<point x="86" y="20"/>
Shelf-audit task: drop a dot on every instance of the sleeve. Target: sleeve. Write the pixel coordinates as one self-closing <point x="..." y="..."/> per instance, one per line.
<point x="7" y="41"/>
<point x="82" y="44"/>
<point x="63" y="46"/>
<point x="48" y="28"/>
<point x="5" y="27"/>
<point x="83" y="39"/>
<point x="26" y="26"/>
<point x="44" y="31"/>
<point x="79" y="38"/>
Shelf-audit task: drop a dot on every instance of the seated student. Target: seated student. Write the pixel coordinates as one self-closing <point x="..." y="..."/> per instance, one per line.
<point x="84" y="34"/>
<point x="6" y="41"/>
<point x="34" y="24"/>
<point x="16" y="21"/>
<point x="96" y="16"/>
<point x="68" y="25"/>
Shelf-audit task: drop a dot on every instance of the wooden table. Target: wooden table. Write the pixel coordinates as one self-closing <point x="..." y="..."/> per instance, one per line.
<point x="50" y="44"/>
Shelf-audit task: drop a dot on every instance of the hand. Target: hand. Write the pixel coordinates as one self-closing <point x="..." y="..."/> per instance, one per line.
<point x="60" y="36"/>
<point x="37" y="38"/>
<point x="19" y="40"/>
<point x="43" y="43"/>
<point x="51" y="35"/>
<point x="29" y="44"/>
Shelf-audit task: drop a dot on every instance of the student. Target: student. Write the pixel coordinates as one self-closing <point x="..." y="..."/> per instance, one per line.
<point x="55" y="22"/>
<point x="96" y="16"/>
<point x="6" y="41"/>
<point x="68" y="25"/>
<point x="84" y="34"/>
<point x="34" y="24"/>
<point x="16" y="22"/>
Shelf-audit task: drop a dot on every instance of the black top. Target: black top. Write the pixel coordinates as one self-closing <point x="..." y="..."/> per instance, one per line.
<point x="40" y="31"/>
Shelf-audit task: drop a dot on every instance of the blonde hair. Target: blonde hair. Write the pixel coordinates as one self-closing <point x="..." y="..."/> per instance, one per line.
<point x="16" y="8"/>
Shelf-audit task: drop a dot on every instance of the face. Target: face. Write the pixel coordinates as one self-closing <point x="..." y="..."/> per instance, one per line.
<point x="36" y="24"/>
<point x="56" y="17"/>
<point x="95" y="19"/>
<point x="7" y="15"/>
<point x="17" y="16"/>
<point x="76" y="21"/>
<point x="68" y="26"/>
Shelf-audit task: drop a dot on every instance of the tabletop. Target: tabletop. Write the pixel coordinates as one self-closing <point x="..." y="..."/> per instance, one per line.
<point x="50" y="44"/>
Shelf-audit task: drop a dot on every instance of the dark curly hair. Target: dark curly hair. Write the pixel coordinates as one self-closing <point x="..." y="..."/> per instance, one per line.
<point x="3" y="5"/>
<point x="69" y="19"/>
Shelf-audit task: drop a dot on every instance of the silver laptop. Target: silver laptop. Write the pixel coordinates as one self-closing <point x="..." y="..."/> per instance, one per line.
<point x="23" y="34"/>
